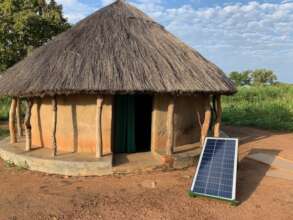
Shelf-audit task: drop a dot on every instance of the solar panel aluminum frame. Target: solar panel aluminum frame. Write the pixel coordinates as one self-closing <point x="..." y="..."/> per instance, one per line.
<point x="233" y="199"/>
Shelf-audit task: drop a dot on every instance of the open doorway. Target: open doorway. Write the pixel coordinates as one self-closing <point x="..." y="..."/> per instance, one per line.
<point x="132" y="123"/>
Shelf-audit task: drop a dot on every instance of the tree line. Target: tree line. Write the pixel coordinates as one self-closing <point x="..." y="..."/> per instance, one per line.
<point x="256" y="77"/>
<point x="25" y="25"/>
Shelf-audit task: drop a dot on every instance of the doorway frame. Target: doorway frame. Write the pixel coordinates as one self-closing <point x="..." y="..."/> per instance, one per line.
<point x="152" y="126"/>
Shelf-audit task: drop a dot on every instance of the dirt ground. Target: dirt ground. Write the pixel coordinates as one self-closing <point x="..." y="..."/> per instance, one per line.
<point x="155" y="195"/>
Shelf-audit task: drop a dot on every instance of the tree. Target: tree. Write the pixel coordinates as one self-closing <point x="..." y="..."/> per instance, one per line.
<point x="241" y="78"/>
<point x="263" y="77"/>
<point x="27" y="24"/>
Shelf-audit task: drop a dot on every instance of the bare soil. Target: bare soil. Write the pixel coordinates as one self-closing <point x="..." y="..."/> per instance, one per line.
<point x="155" y="195"/>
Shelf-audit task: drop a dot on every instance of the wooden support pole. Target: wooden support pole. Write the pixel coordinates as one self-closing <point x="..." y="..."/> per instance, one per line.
<point x="18" y="118"/>
<point x="170" y="127"/>
<point x="12" y="128"/>
<point x="99" y="146"/>
<point x="217" y="128"/>
<point x="27" y="125"/>
<point x="54" y="125"/>
<point x="207" y="121"/>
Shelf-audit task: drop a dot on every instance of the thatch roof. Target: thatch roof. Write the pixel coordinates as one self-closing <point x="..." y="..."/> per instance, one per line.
<point x="118" y="49"/>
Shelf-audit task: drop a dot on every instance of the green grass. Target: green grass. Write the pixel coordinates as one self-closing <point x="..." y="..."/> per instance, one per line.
<point x="4" y="108"/>
<point x="268" y="107"/>
<point x="4" y="111"/>
<point x="19" y="167"/>
<point x="3" y="133"/>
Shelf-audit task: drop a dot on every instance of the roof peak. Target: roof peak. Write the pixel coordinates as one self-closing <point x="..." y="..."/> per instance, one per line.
<point x="124" y="2"/>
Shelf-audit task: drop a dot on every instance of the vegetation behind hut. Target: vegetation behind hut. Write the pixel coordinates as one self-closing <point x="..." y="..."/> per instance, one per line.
<point x="4" y="108"/>
<point x="27" y="24"/>
<point x="257" y="77"/>
<point x="269" y="107"/>
<point x="3" y="133"/>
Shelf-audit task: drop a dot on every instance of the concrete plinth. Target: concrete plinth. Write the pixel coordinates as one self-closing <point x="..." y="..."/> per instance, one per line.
<point x="69" y="164"/>
<point x="85" y="164"/>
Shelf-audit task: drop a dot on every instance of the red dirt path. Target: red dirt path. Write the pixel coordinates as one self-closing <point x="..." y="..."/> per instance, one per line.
<point x="252" y="140"/>
<point x="31" y="195"/>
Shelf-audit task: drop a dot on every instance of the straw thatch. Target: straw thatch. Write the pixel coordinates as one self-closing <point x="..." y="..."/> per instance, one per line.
<point x="115" y="50"/>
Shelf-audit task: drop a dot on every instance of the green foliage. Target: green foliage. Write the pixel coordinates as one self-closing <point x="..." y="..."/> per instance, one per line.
<point x="4" y="108"/>
<point x="263" y="77"/>
<point x="19" y="167"/>
<point x="3" y="133"/>
<point x="241" y="79"/>
<point x="269" y="107"/>
<point x="26" y="24"/>
<point x="256" y="77"/>
<point x="9" y="164"/>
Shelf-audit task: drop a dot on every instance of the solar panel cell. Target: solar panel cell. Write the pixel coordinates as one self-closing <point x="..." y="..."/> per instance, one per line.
<point x="216" y="171"/>
<point x="200" y="189"/>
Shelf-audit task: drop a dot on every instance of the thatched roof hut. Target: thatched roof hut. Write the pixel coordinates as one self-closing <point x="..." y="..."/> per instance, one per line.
<point x="101" y="72"/>
<point x="118" y="49"/>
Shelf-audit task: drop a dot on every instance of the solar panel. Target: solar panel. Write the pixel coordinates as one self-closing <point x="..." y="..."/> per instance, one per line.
<point x="216" y="171"/>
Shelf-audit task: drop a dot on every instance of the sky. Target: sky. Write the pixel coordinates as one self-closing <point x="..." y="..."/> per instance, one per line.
<point x="236" y="35"/>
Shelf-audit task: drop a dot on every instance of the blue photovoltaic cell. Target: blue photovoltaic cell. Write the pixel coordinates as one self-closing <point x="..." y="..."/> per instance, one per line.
<point x="215" y="174"/>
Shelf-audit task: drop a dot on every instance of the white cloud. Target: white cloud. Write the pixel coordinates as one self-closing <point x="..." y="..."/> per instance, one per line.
<point x="153" y="8"/>
<point x="286" y="1"/>
<point x="250" y="26"/>
<point x="234" y="35"/>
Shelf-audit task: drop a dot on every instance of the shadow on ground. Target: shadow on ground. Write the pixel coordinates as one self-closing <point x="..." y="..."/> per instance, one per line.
<point x="250" y="174"/>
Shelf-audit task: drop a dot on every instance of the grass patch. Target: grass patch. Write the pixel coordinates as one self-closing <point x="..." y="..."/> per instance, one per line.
<point x="4" y="108"/>
<point x="11" y="164"/>
<point x="268" y="107"/>
<point x="3" y="133"/>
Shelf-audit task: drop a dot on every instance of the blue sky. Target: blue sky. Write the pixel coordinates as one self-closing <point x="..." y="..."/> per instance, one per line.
<point x="235" y="34"/>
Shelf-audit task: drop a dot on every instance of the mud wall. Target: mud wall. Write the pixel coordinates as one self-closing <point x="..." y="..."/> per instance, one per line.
<point x="76" y="123"/>
<point x="186" y="126"/>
